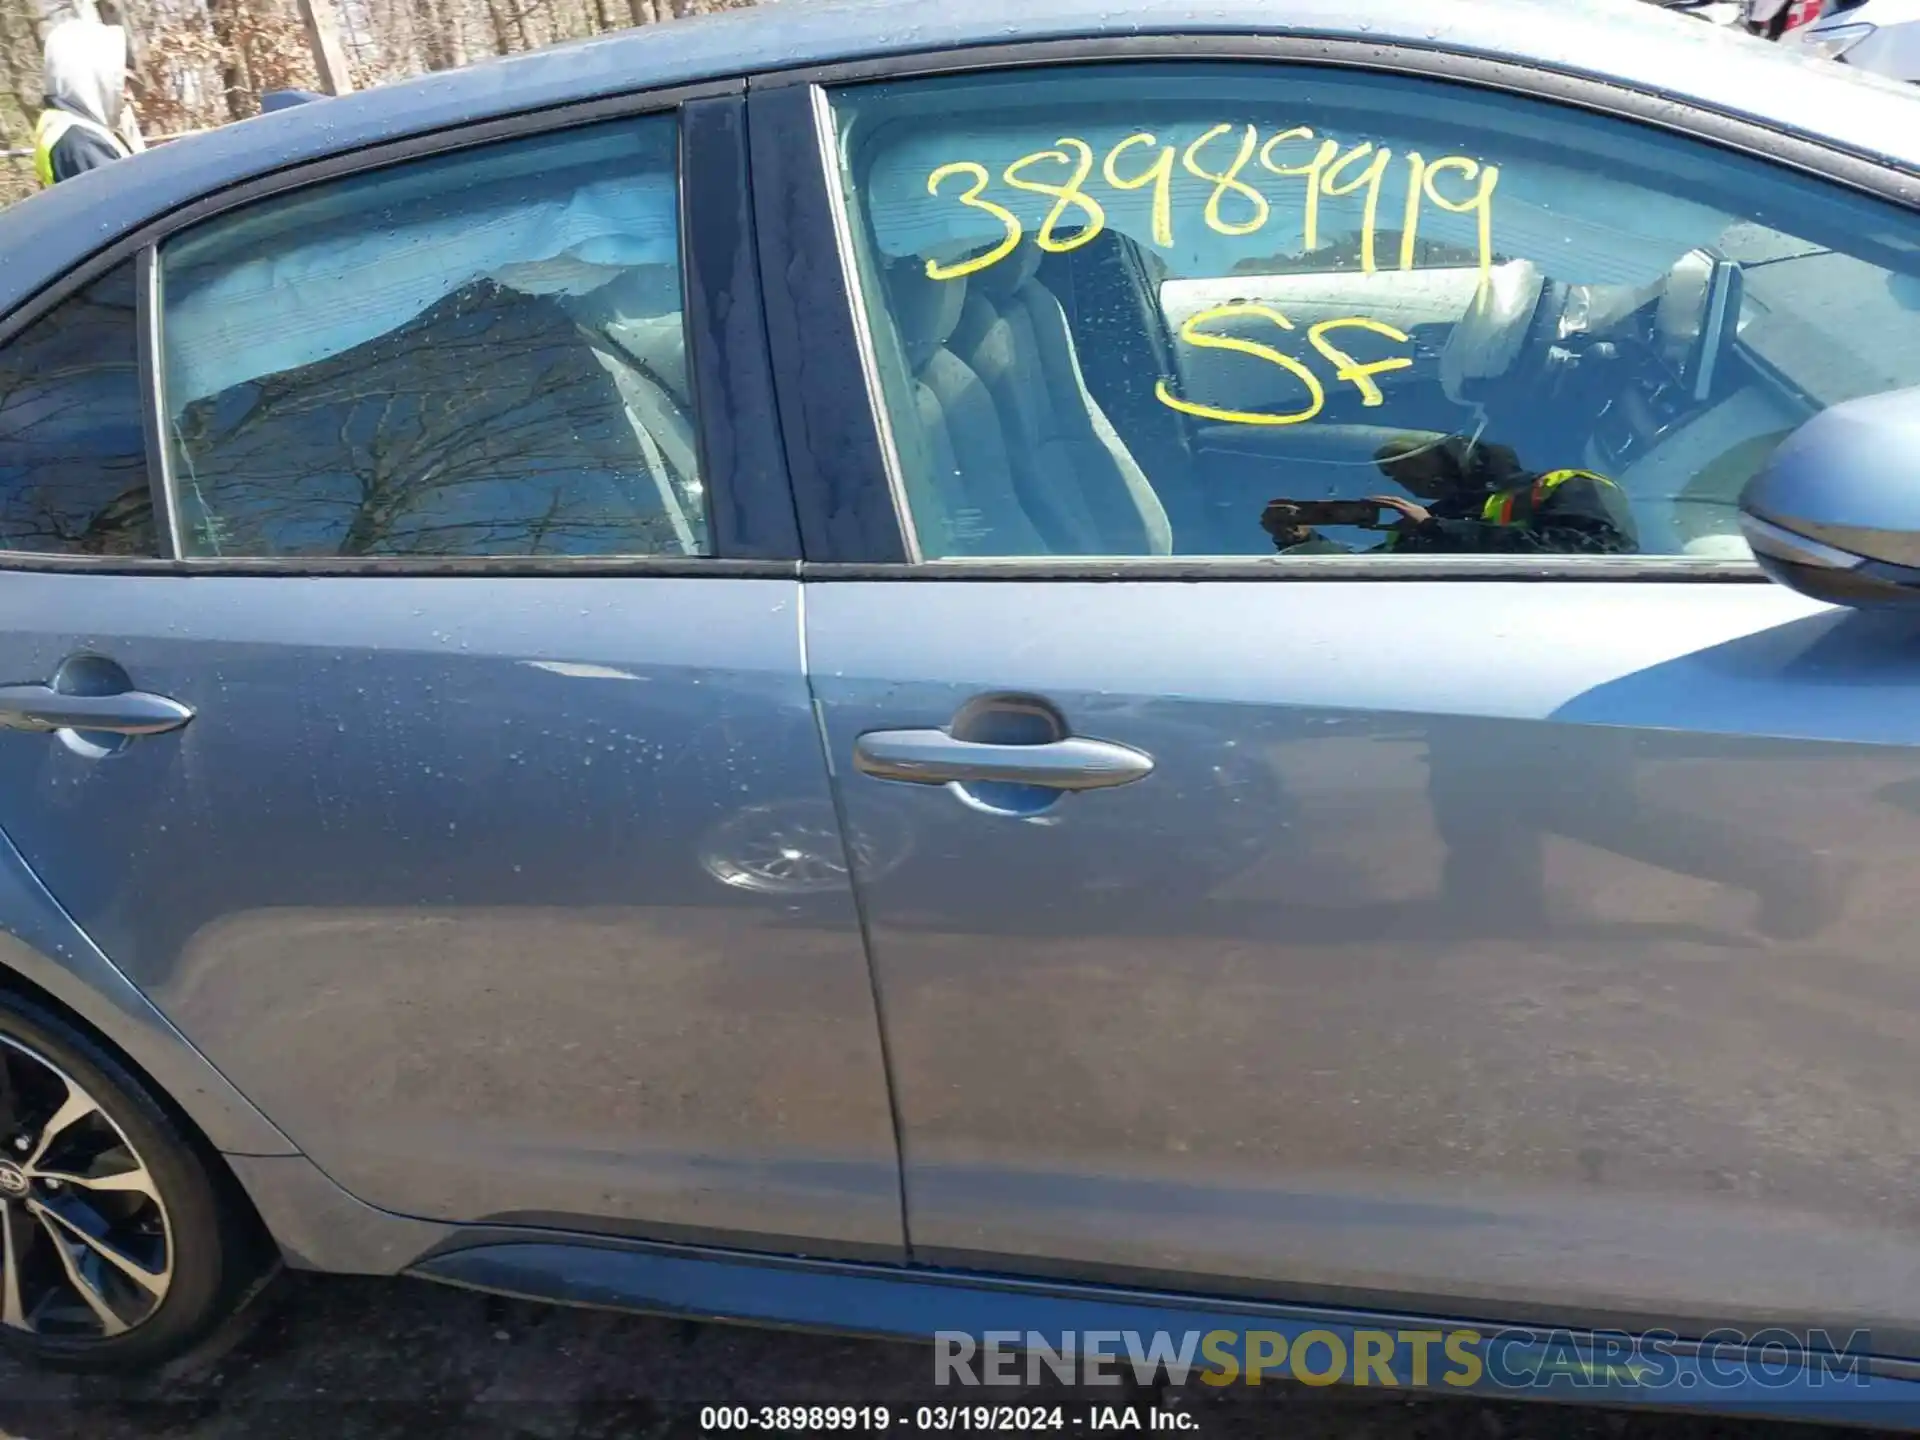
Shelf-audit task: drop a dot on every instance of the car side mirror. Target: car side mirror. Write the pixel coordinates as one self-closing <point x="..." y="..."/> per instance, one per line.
<point x="1835" y="511"/>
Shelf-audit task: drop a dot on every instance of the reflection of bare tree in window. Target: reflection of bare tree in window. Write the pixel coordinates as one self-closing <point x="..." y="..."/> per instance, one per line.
<point x="490" y="425"/>
<point x="73" y="469"/>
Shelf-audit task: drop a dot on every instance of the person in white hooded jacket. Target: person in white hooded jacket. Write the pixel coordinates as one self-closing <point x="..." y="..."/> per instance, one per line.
<point x="86" y="78"/>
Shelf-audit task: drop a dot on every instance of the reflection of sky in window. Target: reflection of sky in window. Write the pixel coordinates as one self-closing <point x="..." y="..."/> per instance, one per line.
<point x="295" y="280"/>
<point x="92" y="413"/>
<point x="71" y="383"/>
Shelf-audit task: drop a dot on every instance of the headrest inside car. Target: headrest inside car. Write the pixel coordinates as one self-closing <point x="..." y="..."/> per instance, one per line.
<point x="925" y="310"/>
<point x="1000" y="280"/>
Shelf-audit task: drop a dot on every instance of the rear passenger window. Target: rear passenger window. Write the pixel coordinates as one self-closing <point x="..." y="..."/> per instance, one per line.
<point x="480" y="354"/>
<point x="73" y="459"/>
<point x="1222" y="309"/>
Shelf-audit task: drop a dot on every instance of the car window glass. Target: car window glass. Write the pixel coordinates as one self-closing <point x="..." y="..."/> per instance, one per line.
<point x="480" y="354"/>
<point x="73" y="459"/>
<point x="1229" y="309"/>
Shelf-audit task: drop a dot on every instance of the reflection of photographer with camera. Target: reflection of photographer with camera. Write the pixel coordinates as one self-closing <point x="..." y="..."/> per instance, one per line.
<point x="1474" y="499"/>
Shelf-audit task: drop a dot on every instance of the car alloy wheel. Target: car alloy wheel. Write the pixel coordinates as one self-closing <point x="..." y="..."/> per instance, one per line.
<point x="86" y="1247"/>
<point x="123" y="1239"/>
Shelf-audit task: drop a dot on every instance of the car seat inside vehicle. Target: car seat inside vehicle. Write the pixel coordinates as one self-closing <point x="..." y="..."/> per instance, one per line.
<point x="1011" y="454"/>
<point x="1058" y="361"/>
<point x="1074" y="475"/>
<point x="637" y="332"/>
<point x="1491" y="333"/>
<point x="953" y="458"/>
<point x="1108" y="287"/>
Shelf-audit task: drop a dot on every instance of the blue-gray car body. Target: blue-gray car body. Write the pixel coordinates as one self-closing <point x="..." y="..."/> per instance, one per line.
<point x="434" y="919"/>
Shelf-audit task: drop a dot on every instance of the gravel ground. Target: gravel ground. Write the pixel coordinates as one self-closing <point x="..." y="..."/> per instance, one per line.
<point x="351" y="1359"/>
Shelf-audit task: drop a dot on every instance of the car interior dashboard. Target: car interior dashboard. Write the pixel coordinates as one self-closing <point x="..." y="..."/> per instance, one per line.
<point x="1648" y="386"/>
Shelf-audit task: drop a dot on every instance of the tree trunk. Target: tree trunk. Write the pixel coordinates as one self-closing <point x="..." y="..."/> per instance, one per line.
<point x="643" y="11"/>
<point x="502" y="41"/>
<point x="433" y="27"/>
<point x="224" y="15"/>
<point x="323" y="40"/>
<point x="20" y="58"/>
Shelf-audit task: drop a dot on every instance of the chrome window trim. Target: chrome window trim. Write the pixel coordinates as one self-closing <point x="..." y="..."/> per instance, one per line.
<point x="1305" y="569"/>
<point x="827" y="138"/>
<point x="153" y="384"/>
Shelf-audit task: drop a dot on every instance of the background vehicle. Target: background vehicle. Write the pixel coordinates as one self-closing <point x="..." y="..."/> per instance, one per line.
<point x="1714" y="12"/>
<point x="1879" y="36"/>
<point x="472" y="547"/>
<point x="1775" y="18"/>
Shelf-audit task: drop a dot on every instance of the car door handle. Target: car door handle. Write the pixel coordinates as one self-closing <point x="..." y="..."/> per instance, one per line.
<point x="933" y="757"/>
<point x="131" y="712"/>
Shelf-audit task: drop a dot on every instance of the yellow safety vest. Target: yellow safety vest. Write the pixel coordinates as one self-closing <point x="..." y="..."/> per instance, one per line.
<point x="49" y="129"/>
<point x="1499" y="509"/>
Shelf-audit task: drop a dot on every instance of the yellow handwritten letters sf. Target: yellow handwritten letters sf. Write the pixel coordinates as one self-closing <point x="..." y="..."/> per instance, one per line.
<point x="1357" y="373"/>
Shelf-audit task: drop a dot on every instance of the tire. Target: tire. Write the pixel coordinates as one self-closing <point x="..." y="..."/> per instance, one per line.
<point x="69" y="1109"/>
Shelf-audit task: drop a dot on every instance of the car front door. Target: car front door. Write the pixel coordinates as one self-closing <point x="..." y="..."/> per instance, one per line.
<point x="456" y="790"/>
<point x="1500" y="910"/>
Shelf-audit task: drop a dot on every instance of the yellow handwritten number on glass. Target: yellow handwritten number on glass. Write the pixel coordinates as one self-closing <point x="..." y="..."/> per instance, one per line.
<point x="1064" y="195"/>
<point x="1200" y="339"/>
<point x="1228" y="179"/>
<point x="1410" y="221"/>
<point x="1310" y="227"/>
<point x="1369" y="177"/>
<point x="1159" y="175"/>
<point x="971" y="196"/>
<point x="1481" y="203"/>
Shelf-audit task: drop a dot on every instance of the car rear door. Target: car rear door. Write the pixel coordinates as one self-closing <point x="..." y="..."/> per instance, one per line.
<point x="1510" y="920"/>
<point x="417" y="713"/>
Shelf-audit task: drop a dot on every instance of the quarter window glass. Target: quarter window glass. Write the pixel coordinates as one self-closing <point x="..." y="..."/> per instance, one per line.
<point x="480" y="354"/>
<point x="1234" y="310"/>
<point x="73" y="461"/>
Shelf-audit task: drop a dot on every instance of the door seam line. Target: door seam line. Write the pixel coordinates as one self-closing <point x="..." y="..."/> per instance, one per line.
<point x="874" y="987"/>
